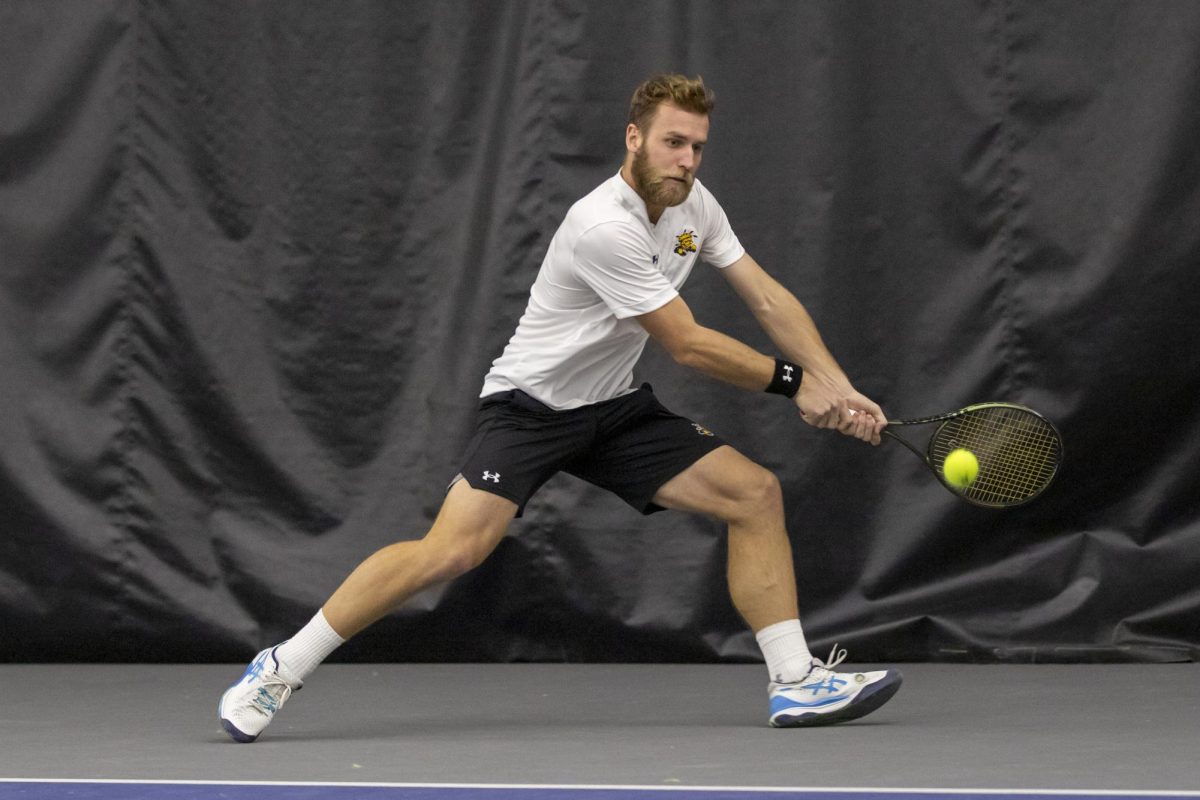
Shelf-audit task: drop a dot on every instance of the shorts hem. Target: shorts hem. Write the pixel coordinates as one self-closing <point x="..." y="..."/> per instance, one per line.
<point x="490" y="488"/>
<point x="647" y="506"/>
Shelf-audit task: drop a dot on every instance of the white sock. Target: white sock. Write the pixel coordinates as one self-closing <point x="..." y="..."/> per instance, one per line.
<point x="309" y="647"/>
<point x="786" y="651"/>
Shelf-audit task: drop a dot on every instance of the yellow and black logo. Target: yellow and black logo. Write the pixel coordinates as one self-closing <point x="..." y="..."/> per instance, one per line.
<point x="685" y="243"/>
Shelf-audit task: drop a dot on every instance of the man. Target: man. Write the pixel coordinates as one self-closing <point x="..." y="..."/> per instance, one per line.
<point x="560" y="398"/>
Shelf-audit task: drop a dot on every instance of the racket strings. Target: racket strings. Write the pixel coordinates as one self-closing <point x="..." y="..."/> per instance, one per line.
<point x="1019" y="459"/>
<point x="1015" y="460"/>
<point x="1018" y="452"/>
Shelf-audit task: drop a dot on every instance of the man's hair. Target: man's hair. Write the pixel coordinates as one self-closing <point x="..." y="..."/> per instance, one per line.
<point x="680" y="90"/>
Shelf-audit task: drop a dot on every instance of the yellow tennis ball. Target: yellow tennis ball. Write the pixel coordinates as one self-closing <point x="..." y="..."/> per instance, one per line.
<point x="960" y="468"/>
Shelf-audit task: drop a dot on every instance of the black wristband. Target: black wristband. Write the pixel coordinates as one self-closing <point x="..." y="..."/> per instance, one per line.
<point x="787" y="379"/>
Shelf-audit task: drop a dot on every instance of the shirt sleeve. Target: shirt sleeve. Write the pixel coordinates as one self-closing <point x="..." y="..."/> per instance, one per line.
<point x="720" y="246"/>
<point x="619" y="266"/>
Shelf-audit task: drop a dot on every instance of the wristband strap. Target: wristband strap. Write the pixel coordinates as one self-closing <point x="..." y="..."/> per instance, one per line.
<point x="787" y="379"/>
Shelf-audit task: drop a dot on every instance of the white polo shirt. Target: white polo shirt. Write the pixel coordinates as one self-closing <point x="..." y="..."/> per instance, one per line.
<point x="577" y="343"/>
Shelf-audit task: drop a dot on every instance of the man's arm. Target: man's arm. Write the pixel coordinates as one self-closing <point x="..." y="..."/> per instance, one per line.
<point x="785" y="320"/>
<point x="826" y="399"/>
<point x="708" y="351"/>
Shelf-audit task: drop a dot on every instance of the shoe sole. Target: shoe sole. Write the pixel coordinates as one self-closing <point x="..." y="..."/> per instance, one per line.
<point x="867" y="701"/>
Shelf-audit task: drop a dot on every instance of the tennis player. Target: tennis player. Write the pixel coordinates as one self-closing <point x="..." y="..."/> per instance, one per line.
<point x="561" y="398"/>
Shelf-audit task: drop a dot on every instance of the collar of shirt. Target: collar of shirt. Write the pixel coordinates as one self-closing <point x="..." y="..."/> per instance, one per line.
<point x="631" y="200"/>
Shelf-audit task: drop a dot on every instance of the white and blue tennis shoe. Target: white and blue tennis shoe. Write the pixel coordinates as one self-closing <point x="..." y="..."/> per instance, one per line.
<point x="248" y="707"/>
<point x="824" y="697"/>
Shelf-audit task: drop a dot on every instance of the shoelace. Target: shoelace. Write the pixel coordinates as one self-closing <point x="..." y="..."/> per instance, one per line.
<point x="820" y="668"/>
<point x="270" y="696"/>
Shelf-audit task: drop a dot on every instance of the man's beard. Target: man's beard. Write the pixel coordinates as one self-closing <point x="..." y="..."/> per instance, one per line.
<point x="661" y="192"/>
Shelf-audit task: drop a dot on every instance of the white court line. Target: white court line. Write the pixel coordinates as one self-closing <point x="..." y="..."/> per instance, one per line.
<point x="638" y="788"/>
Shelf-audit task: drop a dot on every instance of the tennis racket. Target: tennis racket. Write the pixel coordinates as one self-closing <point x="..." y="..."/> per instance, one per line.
<point x="1019" y="451"/>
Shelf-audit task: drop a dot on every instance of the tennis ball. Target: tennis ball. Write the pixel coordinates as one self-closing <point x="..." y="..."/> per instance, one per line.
<point x="960" y="468"/>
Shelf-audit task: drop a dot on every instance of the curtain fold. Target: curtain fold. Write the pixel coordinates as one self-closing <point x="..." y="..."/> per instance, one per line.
<point x="255" y="259"/>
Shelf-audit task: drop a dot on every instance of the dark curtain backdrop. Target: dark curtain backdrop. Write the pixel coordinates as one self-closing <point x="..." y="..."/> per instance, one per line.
<point x="256" y="257"/>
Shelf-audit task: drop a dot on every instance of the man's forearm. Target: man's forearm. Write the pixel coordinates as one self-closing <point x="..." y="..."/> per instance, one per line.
<point x="726" y="359"/>
<point x="789" y="325"/>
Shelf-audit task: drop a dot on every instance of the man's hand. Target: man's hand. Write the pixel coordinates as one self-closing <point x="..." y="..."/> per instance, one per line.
<point x="840" y="408"/>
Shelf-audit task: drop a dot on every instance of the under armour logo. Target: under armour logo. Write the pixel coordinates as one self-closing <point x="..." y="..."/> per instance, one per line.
<point x="654" y="259"/>
<point x="494" y="477"/>
<point x="787" y="372"/>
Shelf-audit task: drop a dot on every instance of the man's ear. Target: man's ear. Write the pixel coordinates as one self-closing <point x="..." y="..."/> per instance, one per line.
<point x="633" y="138"/>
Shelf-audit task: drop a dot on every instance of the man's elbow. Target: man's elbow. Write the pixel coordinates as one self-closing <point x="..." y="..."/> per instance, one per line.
<point x="766" y="304"/>
<point x="686" y="351"/>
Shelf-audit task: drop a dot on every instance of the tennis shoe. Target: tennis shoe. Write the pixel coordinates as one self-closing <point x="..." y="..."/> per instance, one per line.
<point x="824" y="697"/>
<point x="248" y="707"/>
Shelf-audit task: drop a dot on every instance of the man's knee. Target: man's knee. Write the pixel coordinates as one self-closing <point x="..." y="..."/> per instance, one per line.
<point x="757" y="492"/>
<point x="449" y="554"/>
<point x="460" y="558"/>
<point x="466" y="532"/>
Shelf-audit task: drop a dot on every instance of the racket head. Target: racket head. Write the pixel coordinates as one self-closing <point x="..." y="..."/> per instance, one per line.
<point x="1019" y="452"/>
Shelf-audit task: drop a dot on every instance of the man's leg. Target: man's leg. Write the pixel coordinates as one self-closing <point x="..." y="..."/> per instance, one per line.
<point x="467" y="529"/>
<point x="762" y="584"/>
<point x="727" y="485"/>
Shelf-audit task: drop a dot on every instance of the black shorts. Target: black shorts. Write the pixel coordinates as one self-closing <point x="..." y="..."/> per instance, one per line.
<point x="630" y="445"/>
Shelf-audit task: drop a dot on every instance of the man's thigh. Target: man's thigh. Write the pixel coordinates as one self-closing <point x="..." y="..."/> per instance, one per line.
<point x="519" y="444"/>
<point x="468" y="514"/>
<point x="715" y="485"/>
<point x="642" y="445"/>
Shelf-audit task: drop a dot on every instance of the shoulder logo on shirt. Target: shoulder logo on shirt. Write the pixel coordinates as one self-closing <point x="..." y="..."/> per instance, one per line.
<point x="685" y="243"/>
<point x="654" y="259"/>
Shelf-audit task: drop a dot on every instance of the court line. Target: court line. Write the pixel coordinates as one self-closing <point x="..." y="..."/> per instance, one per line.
<point x="807" y="790"/>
